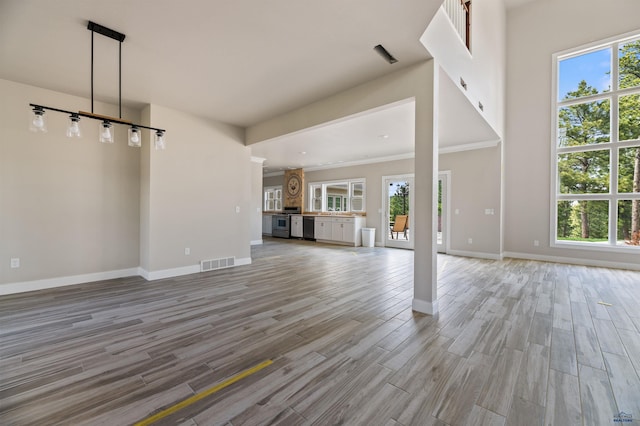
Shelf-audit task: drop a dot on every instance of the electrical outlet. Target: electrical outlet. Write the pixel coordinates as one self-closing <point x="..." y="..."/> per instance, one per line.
<point x="15" y="262"/>
<point x="187" y="251"/>
<point x="470" y="241"/>
<point x="536" y="243"/>
<point x="237" y="209"/>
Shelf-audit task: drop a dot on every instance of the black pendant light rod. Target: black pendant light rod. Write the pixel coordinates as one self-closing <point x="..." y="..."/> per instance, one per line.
<point x="120" y="79"/>
<point x="115" y="35"/>
<point x="97" y="117"/>
<point x="119" y="37"/>
<point x="91" y="71"/>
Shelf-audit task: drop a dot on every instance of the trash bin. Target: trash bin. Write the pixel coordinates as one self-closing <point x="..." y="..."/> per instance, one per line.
<point x="368" y="237"/>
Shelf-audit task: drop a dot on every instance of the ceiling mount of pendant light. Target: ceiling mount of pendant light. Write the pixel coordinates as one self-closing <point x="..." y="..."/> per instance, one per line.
<point x="106" y="131"/>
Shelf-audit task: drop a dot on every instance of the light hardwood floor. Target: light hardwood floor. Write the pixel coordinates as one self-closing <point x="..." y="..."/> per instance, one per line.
<point x="516" y="343"/>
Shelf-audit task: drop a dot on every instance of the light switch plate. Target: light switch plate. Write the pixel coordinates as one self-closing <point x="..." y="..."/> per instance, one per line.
<point x="15" y="262"/>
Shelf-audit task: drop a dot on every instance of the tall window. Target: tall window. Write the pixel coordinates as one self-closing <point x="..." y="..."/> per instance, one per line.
<point x="273" y="198"/>
<point x="597" y="146"/>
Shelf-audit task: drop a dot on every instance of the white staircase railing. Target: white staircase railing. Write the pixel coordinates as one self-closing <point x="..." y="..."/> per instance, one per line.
<point x="458" y="11"/>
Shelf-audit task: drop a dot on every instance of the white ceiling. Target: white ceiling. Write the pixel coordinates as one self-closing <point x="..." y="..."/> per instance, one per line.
<point x="377" y="135"/>
<point x="239" y="62"/>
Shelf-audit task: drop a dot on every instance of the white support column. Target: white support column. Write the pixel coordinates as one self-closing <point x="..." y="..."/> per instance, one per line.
<point x="426" y="181"/>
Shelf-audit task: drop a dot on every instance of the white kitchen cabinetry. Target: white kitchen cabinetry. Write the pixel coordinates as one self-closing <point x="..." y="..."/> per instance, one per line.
<point x="322" y="228"/>
<point x="340" y="230"/>
<point x="267" y="224"/>
<point x="296" y="226"/>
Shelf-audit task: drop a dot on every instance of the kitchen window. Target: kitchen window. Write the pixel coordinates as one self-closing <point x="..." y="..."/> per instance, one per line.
<point x="596" y="146"/>
<point x="273" y="198"/>
<point x="337" y="196"/>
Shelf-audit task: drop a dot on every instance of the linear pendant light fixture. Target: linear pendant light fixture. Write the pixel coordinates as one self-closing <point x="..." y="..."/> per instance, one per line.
<point x="106" y="133"/>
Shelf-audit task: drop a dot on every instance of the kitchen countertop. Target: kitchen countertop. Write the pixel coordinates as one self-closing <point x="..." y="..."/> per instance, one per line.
<point x="321" y="214"/>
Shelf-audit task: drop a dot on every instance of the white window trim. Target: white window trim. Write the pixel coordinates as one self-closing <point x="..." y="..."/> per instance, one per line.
<point x="614" y="145"/>
<point x="323" y="185"/>
<point x="265" y="191"/>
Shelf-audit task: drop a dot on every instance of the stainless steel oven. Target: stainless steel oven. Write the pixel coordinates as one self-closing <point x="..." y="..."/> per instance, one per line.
<point x="281" y="226"/>
<point x="281" y="223"/>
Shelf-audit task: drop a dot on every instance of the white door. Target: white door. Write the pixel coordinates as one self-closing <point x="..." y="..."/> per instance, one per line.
<point x="444" y="186"/>
<point x="398" y="210"/>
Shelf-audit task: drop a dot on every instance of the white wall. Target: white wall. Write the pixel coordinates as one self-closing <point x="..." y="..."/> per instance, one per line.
<point x="484" y="68"/>
<point x="255" y="208"/>
<point x="67" y="206"/>
<point x="78" y="210"/>
<point x="536" y="31"/>
<point x="475" y="187"/>
<point x="194" y="188"/>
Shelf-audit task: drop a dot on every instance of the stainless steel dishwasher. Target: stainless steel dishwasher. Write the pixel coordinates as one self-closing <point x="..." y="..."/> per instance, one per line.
<point x="308" y="227"/>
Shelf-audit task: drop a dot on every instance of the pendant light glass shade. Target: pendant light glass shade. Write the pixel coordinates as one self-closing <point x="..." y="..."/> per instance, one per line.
<point x="37" y="120"/>
<point x="106" y="132"/>
<point x="135" y="138"/>
<point x="160" y="143"/>
<point x="73" y="130"/>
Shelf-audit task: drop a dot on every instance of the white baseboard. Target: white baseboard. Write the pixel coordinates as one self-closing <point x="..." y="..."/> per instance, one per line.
<point x="424" y="307"/>
<point x="256" y="242"/>
<point x="476" y="254"/>
<point x="184" y="270"/>
<point x="243" y="261"/>
<point x="573" y="261"/>
<point x="169" y="273"/>
<point x="24" y="286"/>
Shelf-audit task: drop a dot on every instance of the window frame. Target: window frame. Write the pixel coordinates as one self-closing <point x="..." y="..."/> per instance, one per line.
<point x="613" y="146"/>
<point x="346" y="200"/>
<point x="265" y="198"/>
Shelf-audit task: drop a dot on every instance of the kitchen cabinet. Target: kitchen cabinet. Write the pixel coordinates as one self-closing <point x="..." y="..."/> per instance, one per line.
<point x="296" y="226"/>
<point x="340" y="230"/>
<point x="322" y="230"/>
<point x="267" y="224"/>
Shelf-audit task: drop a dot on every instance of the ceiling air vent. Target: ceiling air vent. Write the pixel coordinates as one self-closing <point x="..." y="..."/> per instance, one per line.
<point x="385" y="54"/>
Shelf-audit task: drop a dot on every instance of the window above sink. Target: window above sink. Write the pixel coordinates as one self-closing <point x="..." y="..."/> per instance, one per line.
<point x="346" y="195"/>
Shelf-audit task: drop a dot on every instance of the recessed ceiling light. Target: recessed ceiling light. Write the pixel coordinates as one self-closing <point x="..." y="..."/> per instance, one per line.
<point x="303" y="152"/>
<point x="384" y="136"/>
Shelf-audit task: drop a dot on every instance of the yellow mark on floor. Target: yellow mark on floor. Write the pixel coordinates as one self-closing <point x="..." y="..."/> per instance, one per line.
<point x="605" y="304"/>
<point x="197" y="397"/>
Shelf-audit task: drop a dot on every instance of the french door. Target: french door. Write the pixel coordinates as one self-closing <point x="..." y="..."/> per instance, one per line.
<point x="397" y="217"/>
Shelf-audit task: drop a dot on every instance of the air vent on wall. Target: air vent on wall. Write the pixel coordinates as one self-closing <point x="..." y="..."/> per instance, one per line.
<point x="213" y="264"/>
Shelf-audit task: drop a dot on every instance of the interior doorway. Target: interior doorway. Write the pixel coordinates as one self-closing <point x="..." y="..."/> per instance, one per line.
<point x="444" y="186"/>
<point x="398" y="211"/>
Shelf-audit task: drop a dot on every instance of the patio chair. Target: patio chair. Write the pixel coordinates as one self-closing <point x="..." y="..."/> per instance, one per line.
<point x="400" y="224"/>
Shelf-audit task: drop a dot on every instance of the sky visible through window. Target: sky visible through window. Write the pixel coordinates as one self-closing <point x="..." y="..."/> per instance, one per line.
<point x="594" y="68"/>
